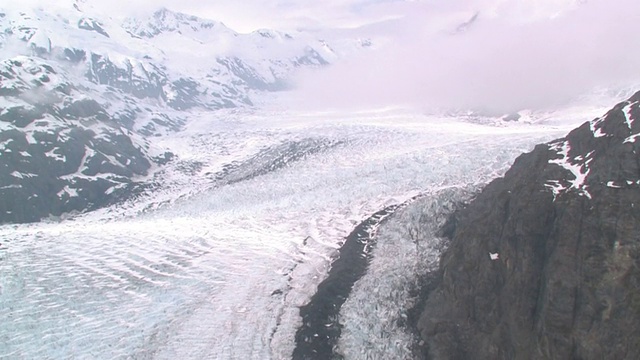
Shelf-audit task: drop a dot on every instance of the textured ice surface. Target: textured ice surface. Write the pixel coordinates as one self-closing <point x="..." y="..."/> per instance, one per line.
<point x="208" y="268"/>
<point x="407" y="248"/>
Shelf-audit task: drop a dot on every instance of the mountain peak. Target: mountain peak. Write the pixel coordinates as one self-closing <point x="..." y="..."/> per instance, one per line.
<point x="165" y="20"/>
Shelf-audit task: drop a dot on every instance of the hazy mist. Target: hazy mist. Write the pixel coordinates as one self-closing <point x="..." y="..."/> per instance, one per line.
<point x="509" y="58"/>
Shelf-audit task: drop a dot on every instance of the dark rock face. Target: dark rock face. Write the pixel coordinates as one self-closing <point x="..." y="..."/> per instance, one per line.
<point x="140" y="80"/>
<point x="311" y="57"/>
<point x="248" y="76"/>
<point x="545" y="262"/>
<point x="59" y="151"/>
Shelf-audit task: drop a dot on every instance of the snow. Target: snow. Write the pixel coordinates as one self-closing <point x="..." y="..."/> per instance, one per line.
<point x="373" y="329"/>
<point x="111" y="189"/>
<point x="71" y="192"/>
<point x="597" y="130"/>
<point x="556" y="188"/>
<point x="3" y="144"/>
<point x="627" y="114"/>
<point x="612" y="184"/>
<point x="579" y="170"/>
<point x="30" y="139"/>
<point x="12" y="186"/>
<point x="20" y="175"/>
<point x="88" y="153"/>
<point x="41" y="40"/>
<point x="215" y="262"/>
<point x="54" y="155"/>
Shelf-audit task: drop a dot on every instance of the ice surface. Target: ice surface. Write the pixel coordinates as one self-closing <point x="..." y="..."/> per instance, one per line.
<point x="54" y="155"/>
<point x="379" y="329"/>
<point x="205" y="267"/>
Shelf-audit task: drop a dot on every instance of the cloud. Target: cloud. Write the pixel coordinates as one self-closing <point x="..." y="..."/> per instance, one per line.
<point x="511" y="57"/>
<point x="514" y="54"/>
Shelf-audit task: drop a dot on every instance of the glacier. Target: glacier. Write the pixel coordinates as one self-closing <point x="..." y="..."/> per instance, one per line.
<point x="216" y="261"/>
<point x="228" y="202"/>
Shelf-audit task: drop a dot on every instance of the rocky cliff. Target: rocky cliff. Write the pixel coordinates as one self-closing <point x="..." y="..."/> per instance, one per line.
<point x="545" y="262"/>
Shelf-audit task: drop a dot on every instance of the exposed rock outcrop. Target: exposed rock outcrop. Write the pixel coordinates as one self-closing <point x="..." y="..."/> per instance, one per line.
<point x="60" y="150"/>
<point x="545" y="262"/>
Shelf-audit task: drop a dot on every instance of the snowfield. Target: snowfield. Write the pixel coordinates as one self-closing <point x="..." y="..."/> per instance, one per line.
<point x="239" y="232"/>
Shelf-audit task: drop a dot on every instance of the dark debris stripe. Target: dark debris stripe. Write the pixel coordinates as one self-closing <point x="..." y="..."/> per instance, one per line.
<point x="320" y="331"/>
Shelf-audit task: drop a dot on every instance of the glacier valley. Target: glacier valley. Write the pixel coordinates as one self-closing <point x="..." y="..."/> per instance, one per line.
<point x="217" y="259"/>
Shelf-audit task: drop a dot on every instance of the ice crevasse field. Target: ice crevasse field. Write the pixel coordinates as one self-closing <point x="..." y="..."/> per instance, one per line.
<point x="217" y="259"/>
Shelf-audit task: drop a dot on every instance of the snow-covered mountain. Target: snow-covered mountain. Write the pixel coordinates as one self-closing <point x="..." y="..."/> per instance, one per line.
<point x="81" y="95"/>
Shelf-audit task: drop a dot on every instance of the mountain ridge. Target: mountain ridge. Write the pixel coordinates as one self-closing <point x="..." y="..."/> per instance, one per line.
<point x="115" y="87"/>
<point x="544" y="261"/>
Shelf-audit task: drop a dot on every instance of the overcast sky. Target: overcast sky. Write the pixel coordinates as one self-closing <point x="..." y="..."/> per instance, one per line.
<point x="516" y="54"/>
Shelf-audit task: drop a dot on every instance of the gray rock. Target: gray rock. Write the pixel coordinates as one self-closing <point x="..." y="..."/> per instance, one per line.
<point x="60" y="152"/>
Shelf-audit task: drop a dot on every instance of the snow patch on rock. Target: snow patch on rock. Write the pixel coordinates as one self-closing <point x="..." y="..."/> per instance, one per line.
<point x="579" y="170"/>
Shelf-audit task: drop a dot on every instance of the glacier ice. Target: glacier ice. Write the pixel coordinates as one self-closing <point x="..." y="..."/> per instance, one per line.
<point x="204" y="268"/>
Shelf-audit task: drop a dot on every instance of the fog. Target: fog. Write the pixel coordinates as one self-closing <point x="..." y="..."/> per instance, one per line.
<point x="508" y="58"/>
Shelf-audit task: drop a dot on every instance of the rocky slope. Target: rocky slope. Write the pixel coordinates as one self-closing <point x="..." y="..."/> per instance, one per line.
<point x="61" y="150"/>
<point x="545" y="262"/>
